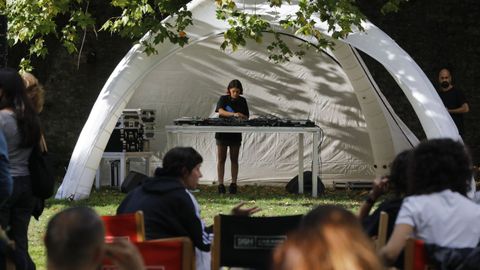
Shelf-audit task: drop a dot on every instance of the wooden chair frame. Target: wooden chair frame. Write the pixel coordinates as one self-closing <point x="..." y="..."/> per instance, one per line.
<point x="188" y="251"/>
<point x="416" y="256"/>
<point x="382" y="231"/>
<point x="215" y="248"/>
<point x="150" y="250"/>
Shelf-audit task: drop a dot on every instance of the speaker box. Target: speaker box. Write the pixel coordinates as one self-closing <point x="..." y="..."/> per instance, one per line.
<point x="292" y="185"/>
<point x="133" y="180"/>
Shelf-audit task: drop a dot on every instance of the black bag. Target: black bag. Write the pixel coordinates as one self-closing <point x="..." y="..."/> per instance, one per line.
<point x="133" y="180"/>
<point x="292" y="185"/>
<point x="41" y="173"/>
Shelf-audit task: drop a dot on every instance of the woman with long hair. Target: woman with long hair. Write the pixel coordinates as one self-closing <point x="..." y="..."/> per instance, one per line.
<point x="328" y="238"/>
<point x="20" y="124"/>
<point x="233" y="106"/>
<point x="36" y="94"/>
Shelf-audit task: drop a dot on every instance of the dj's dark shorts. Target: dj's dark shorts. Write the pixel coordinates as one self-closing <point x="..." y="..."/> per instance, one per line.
<point x="228" y="143"/>
<point x="228" y="139"/>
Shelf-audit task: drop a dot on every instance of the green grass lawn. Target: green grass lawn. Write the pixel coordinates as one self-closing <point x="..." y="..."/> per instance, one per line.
<point x="274" y="201"/>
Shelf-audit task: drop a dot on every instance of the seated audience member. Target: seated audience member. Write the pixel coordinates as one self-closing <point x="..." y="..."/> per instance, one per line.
<point x="75" y="240"/>
<point x="395" y="182"/>
<point x="169" y="208"/>
<point x="437" y="209"/>
<point x="330" y="238"/>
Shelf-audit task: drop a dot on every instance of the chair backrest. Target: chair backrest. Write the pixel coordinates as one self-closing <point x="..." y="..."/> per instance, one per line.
<point x="415" y="255"/>
<point x="241" y="241"/>
<point x="164" y="254"/>
<point x="129" y="226"/>
<point x="382" y="230"/>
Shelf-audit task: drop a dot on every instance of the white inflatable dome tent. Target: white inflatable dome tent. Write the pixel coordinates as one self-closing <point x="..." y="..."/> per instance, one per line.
<point x="334" y="89"/>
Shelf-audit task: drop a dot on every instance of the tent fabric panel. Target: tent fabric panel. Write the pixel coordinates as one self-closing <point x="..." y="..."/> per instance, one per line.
<point x="379" y="130"/>
<point x="416" y="86"/>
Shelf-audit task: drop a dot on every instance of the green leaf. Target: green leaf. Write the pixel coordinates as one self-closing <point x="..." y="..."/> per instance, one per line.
<point x="31" y="22"/>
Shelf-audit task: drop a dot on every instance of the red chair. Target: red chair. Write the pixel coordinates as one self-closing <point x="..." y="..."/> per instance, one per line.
<point x="128" y="226"/>
<point x="165" y="254"/>
<point x="415" y="255"/>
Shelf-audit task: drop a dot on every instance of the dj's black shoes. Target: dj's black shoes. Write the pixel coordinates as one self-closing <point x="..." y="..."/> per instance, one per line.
<point x="221" y="189"/>
<point x="232" y="189"/>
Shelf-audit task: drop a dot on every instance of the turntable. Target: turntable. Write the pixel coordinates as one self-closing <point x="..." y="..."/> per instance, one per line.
<point x="263" y="121"/>
<point x="196" y="121"/>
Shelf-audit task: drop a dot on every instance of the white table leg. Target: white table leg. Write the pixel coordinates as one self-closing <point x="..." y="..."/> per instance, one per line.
<point x="97" y="176"/>
<point x="300" y="163"/>
<point x="147" y="166"/>
<point x="123" y="170"/>
<point x="316" y="138"/>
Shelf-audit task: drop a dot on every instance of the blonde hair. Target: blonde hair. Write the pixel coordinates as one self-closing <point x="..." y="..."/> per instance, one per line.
<point x="331" y="238"/>
<point x="35" y="91"/>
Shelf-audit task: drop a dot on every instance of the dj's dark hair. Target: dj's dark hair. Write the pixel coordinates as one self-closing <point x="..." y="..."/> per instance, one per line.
<point x="178" y="161"/>
<point x="235" y="84"/>
<point x="439" y="164"/>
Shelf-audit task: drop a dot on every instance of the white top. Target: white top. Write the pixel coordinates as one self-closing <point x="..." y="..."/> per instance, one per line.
<point x="444" y="218"/>
<point x="202" y="258"/>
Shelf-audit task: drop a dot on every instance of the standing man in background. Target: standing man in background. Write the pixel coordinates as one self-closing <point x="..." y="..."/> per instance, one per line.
<point x="453" y="99"/>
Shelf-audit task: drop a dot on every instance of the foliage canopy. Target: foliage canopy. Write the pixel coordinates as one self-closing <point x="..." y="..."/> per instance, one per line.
<point x="31" y="23"/>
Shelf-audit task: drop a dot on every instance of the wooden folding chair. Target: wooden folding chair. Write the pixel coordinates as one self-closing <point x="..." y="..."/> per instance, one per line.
<point x="382" y="231"/>
<point x="173" y="253"/>
<point x="166" y="254"/>
<point x="415" y="255"/>
<point x="129" y="226"/>
<point x="241" y="241"/>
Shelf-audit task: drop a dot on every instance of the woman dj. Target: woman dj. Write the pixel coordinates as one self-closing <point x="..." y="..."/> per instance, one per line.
<point x="228" y="106"/>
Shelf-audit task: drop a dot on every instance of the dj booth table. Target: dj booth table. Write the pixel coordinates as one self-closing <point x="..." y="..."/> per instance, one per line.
<point x="315" y="131"/>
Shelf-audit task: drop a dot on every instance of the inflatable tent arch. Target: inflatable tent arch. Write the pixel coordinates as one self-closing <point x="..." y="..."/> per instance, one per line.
<point x="362" y="133"/>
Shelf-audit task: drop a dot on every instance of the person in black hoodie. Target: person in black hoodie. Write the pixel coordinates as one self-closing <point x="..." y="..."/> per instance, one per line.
<point x="169" y="208"/>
